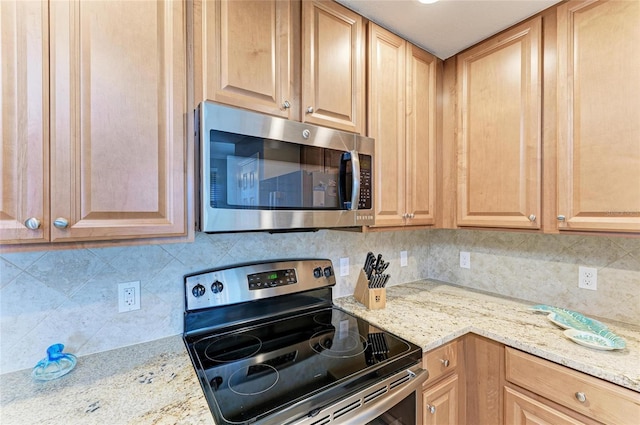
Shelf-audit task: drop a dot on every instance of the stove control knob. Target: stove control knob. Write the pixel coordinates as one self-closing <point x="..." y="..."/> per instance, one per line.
<point x="217" y="287"/>
<point x="328" y="272"/>
<point x="317" y="272"/>
<point x="198" y="290"/>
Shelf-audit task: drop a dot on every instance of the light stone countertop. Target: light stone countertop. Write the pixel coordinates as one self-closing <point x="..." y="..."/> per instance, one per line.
<point x="155" y="383"/>
<point x="431" y="313"/>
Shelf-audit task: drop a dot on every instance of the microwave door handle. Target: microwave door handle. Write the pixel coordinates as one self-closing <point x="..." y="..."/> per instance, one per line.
<point x="355" y="173"/>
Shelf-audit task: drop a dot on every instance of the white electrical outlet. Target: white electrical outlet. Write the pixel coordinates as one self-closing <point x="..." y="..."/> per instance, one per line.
<point x="403" y="258"/>
<point x="128" y="296"/>
<point x="588" y="278"/>
<point x="344" y="266"/>
<point x="465" y="260"/>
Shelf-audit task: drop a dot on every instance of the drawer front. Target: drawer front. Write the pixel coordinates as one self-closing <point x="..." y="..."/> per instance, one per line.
<point x="441" y="361"/>
<point x="582" y="393"/>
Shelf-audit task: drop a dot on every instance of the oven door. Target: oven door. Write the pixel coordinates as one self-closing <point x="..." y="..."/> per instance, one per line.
<point x="404" y="412"/>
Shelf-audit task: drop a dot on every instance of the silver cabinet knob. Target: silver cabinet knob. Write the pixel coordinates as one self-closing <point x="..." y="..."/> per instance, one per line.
<point x="412" y="215"/>
<point x="532" y="218"/>
<point x="561" y="218"/>
<point x="32" y="223"/>
<point x="581" y="397"/>
<point x="286" y="104"/>
<point x="61" y="223"/>
<point x="310" y="110"/>
<point x="306" y="133"/>
<point x="445" y="362"/>
<point x="431" y="408"/>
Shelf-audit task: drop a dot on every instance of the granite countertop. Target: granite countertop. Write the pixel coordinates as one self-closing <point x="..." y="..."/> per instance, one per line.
<point x="430" y="314"/>
<point x="155" y="383"/>
<point x="150" y="383"/>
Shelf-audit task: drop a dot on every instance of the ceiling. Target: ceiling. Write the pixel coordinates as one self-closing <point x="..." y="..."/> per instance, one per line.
<point x="448" y="26"/>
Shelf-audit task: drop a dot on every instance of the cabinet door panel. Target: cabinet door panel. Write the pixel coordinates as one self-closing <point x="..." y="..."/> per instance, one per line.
<point x="24" y="69"/>
<point x="117" y="109"/>
<point x="441" y="402"/>
<point x="387" y="123"/>
<point x="499" y="143"/>
<point x="332" y="66"/>
<point x="598" y="125"/>
<point x="522" y="410"/>
<point x="421" y="136"/>
<point x="247" y="54"/>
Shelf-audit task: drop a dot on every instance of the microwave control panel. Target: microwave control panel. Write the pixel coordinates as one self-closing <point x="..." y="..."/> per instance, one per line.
<point x="365" y="182"/>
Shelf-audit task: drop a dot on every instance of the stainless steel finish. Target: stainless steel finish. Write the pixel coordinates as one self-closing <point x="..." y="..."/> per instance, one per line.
<point x="431" y="408"/>
<point x="561" y="218"/>
<point x="32" y="223"/>
<point x="223" y="118"/>
<point x="355" y="186"/>
<point x="532" y="217"/>
<point x="60" y="223"/>
<point x="286" y="104"/>
<point x="445" y="362"/>
<point x="581" y="397"/>
<point x="234" y="292"/>
<point x="309" y="109"/>
<point x="370" y="403"/>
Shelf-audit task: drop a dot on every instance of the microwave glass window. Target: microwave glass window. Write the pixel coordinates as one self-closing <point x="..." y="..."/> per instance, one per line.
<point x="256" y="173"/>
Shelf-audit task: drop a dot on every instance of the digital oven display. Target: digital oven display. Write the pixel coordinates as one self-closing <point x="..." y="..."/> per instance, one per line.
<point x="271" y="279"/>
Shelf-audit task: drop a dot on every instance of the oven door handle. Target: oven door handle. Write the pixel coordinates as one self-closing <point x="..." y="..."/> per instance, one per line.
<point x="354" y="200"/>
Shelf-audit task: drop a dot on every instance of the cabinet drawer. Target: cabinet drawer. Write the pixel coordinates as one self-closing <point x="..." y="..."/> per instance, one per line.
<point x="441" y="361"/>
<point x="602" y="400"/>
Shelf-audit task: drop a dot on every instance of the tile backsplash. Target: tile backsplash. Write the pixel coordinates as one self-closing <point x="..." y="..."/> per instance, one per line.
<point x="71" y="296"/>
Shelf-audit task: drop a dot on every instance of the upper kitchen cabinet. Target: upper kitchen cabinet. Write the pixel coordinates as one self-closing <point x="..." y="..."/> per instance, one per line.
<point x="499" y="130"/>
<point x="115" y="120"/>
<point x="332" y="66"/>
<point x="598" y="122"/>
<point x="24" y="67"/>
<point x="250" y="54"/>
<point x="402" y="120"/>
<point x="245" y="51"/>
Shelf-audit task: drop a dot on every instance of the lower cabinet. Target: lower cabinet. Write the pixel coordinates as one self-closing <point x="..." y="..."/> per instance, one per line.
<point x="443" y="393"/>
<point x="519" y="409"/>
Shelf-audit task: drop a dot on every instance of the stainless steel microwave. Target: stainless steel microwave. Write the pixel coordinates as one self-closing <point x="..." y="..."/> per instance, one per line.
<point x="258" y="172"/>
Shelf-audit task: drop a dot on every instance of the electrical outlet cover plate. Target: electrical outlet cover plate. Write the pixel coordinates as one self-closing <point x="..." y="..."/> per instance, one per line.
<point x="128" y="296"/>
<point x="344" y="266"/>
<point x="588" y="278"/>
<point x="465" y="260"/>
<point x="403" y="259"/>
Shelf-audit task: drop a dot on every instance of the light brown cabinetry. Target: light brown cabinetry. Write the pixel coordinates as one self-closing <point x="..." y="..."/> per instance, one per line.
<point x="402" y="120"/>
<point x="298" y="60"/>
<point x="521" y="409"/>
<point x="499" y="130"/>
<point x="443" y="393"/>
<point x="580" y="393"/>
<point x="115" y="118"/>
<point x="598" y="46"/>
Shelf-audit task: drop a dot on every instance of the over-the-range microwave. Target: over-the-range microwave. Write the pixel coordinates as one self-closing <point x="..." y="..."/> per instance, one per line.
<point x="258" y="172"/>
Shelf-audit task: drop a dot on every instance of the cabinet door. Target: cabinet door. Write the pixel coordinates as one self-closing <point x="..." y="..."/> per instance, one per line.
<point x="332" y="66"/>
<point x="421" y="136"/>
<point x="118" y="92"/>
<point x="598" y="125"/>
<point x="246" y="54"/>
<point x="24" y="70"/>
<point x="499" y="139"/>
<point x="440" y="403"/>
<point x="386" y="113"/>
<point x="522" y="410"/>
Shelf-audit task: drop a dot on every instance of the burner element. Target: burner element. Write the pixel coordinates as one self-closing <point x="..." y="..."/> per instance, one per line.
<point x="346" y="344"/>
<point x="232" y="347"/>
<point x="252" y="380"/>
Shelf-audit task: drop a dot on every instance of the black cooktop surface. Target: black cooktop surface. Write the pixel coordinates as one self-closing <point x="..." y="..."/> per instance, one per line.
<point x="298" y="363"/>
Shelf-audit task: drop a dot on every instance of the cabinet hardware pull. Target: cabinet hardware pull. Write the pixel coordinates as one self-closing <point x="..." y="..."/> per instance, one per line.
<point x="61" y="223"/>
<point x="561" y="218"/>
<point x="445" y="362"/>
<point x="532" y="217"/>
<point x="286" y="104"/>
<point x="581" y="397"/>
<point x="310" y="110"/>
<point x="32" y="223"/>
<point x="431" y="408"/>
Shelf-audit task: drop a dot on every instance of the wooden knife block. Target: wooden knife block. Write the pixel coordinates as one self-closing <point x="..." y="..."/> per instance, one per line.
<point x="372" y="298"/>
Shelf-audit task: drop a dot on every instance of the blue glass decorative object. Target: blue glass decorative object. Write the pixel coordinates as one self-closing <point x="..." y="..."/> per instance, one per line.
<point x="55" y="365"/>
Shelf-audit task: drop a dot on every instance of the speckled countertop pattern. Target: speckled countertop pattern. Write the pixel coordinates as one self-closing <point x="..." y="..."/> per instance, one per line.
<point x="431" y="313"/>
<point x="151" y="383"/>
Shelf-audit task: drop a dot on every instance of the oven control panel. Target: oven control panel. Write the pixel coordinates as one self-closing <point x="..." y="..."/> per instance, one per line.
<point x="271" y="279"/>
<point x="254" y="281"/>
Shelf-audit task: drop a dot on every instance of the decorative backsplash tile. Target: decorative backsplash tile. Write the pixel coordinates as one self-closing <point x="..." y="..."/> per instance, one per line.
<point x="71" y="296"/>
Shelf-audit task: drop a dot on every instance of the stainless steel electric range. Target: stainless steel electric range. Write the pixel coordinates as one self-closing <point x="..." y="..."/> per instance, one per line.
<point x="270" y="348"/>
